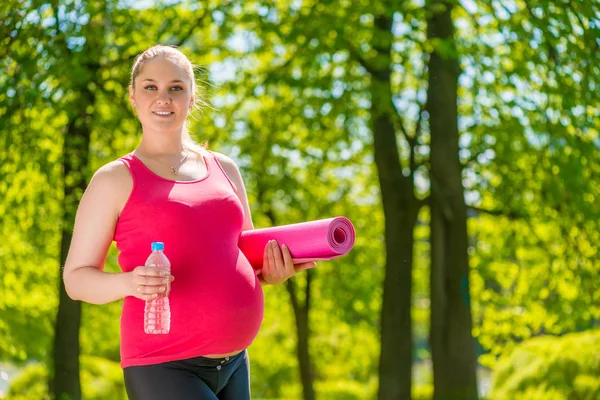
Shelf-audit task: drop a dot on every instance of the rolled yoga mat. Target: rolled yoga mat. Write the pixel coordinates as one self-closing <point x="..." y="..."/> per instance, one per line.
<point x="307" y="241"/>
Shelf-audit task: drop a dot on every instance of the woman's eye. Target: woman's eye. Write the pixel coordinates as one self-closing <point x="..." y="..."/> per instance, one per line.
<point x="153" y="87"/>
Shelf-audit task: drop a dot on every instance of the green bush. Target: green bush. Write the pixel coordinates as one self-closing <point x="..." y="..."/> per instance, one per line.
<point x="551" y="368"/>
<point x="352" y="390"/>
<point x="346" y="390"/>
<point x="101" y="379"/>
<point x="422" y="392"/>
<point x="31" y="383"/>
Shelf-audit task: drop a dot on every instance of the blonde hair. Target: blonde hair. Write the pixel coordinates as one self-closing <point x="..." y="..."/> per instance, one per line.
<point x="176" y="56"/>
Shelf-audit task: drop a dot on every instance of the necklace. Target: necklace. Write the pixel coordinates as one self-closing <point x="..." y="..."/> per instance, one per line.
<point x="174" y="168"/>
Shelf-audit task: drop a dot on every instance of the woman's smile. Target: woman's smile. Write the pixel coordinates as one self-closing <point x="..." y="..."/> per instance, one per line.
<point x="163" y="114"/>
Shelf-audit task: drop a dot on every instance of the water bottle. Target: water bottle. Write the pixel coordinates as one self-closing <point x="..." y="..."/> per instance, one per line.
<point x="157" y="314"/>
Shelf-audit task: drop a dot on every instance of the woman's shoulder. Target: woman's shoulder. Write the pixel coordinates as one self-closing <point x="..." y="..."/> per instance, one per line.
<point x="112" y="170"/>
<point x="225" y="161"/>
<point x="113" y="175"/>
<point x="110" y="186"/>
<point x="230" y="168"/>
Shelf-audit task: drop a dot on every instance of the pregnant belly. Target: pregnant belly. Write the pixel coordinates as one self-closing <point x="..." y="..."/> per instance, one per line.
<point x="225" y="313"/>
<point x="216" y="311"/>
<point x="210" y="321"/>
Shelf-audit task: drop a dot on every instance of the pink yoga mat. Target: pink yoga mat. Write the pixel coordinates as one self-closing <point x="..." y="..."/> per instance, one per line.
<point x="308" y="241"/>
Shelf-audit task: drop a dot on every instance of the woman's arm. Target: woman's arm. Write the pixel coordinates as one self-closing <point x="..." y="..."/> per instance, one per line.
<point x="278" y="265"/>
<point x="93" y="232"/>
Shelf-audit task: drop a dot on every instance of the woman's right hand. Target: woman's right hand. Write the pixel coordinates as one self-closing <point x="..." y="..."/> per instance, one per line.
<point x="148" y="283"/>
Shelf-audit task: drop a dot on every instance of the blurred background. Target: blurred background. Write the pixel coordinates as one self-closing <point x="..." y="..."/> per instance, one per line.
<point x="460" y="137"/>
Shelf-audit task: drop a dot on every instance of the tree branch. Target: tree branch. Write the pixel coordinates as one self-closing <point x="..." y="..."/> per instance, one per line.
<point x="422" y="106"/>
<point x="192" y="28"/>
<point x="510" y="214"/>
<point x="307" y="289"/>
<point x="552" y="53"/>
<point x="290" y="285"/>
<point x="266" y="75"/>
<point x="177" y="42"/>
<point x="411" y="141"/>
<point x="356" y="56"/>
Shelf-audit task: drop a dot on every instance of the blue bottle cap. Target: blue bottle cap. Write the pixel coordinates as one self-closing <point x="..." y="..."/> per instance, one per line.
<point x="158" y="246"/>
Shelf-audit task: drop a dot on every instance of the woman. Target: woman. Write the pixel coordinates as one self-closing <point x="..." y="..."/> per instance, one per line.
<point x="170" y="189"/>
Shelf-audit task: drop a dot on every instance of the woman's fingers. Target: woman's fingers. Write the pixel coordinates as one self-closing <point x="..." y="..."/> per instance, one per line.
<point x="151" y="272"/>
<point x="288" y="263"/>
<point x="276" y="259"/>
<point x="150" y="282"/>
<point x="304" y="266"/>
<point x="153" y="280"/>
<point x="150" y="292"/>
<point x="278" y="264"/>
<point x="282" y="260"/>
<point x="266" y="268"/>
<point x="273" y="267"/>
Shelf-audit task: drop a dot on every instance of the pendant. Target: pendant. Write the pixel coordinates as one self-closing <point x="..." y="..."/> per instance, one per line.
<point x="174" y="171"/>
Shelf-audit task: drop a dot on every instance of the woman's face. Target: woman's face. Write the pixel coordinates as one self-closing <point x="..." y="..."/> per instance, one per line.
<point x="162" y="96"/>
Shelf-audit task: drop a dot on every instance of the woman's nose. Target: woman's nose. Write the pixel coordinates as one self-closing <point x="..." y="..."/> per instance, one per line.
<point x="163" y="97"/>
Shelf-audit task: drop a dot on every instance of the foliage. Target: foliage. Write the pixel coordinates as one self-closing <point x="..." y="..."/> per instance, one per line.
<point x="101" y="380"/>
<point x="422" y="392"/>
<point x="528" y="135"/>
<point x="347" y="390"/>
<point x="31" y="383"/>
<point x="549" y="367"/>
<point x="290" y="104"/>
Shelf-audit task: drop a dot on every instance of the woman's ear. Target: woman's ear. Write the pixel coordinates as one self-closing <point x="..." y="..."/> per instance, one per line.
<point x="131" y="96"/>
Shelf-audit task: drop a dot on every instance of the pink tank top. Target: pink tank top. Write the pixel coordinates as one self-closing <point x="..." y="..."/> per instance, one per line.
<point x="216" y="299"/>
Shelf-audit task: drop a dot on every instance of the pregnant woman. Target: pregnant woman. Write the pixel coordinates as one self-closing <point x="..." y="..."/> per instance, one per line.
<point x="171" y="189"/>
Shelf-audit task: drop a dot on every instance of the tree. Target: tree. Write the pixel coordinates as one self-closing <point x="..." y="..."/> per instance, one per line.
<point x="452" y="344"/>
<point x="528" y="135"/>
<point x="347" y="76"/>
<point x="83" y="64"/>
<point x="401" y="209"/>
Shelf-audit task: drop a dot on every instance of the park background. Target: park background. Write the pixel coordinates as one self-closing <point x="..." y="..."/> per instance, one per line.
<point x="460" y="137"/>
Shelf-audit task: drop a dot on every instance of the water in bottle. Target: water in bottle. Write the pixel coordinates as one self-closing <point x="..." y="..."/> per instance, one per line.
<point x="157" y="314"/>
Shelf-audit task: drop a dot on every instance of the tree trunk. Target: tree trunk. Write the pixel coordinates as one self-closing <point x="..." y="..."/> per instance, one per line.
<point x="65" y="378"/>
<point x="301" y="313"/>
<point x="400" y="209"/>
<point x="66" y="382"/>
<point x="452" y="344"/>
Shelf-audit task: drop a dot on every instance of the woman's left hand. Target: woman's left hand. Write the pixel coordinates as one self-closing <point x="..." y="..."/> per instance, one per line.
<point x="278" y="265"/>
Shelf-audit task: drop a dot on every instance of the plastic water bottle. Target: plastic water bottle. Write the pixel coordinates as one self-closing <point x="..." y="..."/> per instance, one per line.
<point x="157" y="314"/>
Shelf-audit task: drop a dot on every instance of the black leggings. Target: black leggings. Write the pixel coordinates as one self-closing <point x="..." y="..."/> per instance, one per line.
<point x="196" y="378"/>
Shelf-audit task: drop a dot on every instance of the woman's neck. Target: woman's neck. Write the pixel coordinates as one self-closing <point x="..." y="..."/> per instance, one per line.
<point x="161" y="142"/>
